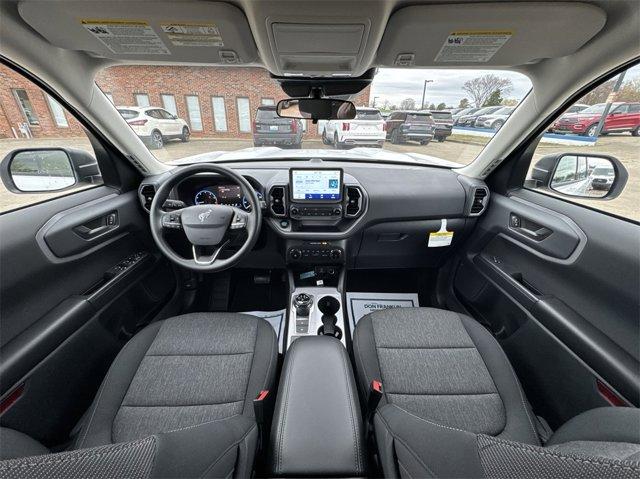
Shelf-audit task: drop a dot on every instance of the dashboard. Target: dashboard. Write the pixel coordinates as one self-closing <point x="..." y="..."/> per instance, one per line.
<point x="359" y="214"/>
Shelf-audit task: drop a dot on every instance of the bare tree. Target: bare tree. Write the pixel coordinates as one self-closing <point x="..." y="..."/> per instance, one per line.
<point x="480" y="88"/>
<point x="408" y="104"/>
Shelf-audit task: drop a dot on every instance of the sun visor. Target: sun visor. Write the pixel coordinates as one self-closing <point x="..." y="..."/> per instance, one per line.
<point x="486" y="34"/>
<point x="178" y="31"/>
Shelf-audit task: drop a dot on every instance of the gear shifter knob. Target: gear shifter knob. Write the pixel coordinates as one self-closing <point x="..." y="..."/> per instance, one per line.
<point x="302" y="302"/>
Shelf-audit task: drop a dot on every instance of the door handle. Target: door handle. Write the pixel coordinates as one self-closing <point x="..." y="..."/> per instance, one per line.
<point x="97" y="226"/>
<point x="528" y="228"/>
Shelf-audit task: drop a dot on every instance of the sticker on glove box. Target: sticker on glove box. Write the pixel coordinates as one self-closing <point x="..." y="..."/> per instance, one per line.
<point x="193" y="34"/>
<point x="127" y="37"/>
<point x="442" y="237"/>
<point x="472" y="46"/>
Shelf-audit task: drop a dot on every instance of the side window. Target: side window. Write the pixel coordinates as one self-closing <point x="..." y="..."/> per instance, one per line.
<point x="44" y="150"/>
<point x="154" y="114"/>
<point x="585" y="156"/>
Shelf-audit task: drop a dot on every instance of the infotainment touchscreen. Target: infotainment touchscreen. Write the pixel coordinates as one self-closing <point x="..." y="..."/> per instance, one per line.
<point x="316" y="185"/>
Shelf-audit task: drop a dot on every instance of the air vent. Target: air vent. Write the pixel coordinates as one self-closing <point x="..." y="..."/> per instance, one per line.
<point x="480" y="200"/>
<point x="147" y="192"/>
<point x="354" y="202"/>
<point x="277" y="201"/>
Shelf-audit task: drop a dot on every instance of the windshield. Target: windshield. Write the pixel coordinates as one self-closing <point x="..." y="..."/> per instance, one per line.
<point x="417" y="118"/>
<point x="441" y="115"/>
<point x="595" y="109"/>
<point x="195" y="113"/>
<point x="603" y="171"/>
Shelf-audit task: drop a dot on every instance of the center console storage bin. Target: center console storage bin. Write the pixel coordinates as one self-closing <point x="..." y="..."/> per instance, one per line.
<point x="317" y="426"/>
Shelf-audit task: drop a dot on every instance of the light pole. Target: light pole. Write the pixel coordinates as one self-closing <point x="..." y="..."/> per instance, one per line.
<point x="424" y="92"/>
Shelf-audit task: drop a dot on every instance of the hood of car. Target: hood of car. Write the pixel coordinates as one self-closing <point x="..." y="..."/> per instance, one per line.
<point x="356" y="154"/>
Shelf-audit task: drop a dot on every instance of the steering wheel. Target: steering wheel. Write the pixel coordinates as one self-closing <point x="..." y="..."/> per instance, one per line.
<point x="206" y="227"/>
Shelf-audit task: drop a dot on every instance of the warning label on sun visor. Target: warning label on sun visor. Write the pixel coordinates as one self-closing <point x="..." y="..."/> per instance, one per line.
<point x="127" y="37"/>
<point x="193" y="34"/>
<point x="472" y="46"/>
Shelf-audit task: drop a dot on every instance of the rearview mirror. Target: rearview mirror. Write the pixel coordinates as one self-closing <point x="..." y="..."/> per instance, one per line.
<point x="591" y="176"/>
<point x="316" y="109"/>
<point x="44" y="170"/>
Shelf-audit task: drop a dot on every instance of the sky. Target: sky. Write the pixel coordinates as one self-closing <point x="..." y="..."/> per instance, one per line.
<point x="396" y="84"/>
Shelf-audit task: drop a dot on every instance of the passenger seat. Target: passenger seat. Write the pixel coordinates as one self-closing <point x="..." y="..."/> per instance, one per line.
<point x="453" y="407"/>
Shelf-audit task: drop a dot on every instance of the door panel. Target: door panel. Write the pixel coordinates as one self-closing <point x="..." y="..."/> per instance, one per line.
<point x="80" y="275"/>
<point x="564" y="304"/>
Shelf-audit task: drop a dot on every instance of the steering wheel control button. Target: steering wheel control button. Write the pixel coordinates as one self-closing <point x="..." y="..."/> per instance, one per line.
<point x="239" y="221"/>
<point x="171" y="221"/>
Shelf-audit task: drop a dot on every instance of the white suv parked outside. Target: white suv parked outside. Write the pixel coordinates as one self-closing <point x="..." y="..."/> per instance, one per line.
<point x="366" y="129"/>
<point x="154" y="125"/>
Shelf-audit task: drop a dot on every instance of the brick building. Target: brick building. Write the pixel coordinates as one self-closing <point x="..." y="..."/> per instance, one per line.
<point x="217" y="102"/>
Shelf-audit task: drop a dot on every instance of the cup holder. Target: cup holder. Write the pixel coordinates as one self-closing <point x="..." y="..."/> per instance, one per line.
<point x="329" y="306"/>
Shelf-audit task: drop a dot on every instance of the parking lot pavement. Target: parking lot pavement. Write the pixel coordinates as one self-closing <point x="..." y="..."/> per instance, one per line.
<point x="458" y="148"/>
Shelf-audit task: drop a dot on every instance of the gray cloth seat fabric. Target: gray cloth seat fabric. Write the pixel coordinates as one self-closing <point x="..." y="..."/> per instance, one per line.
<point x="220" y="448"/>
<point x="16" y="444"/>
<point x="194" y="377"/>
<point x="451" y="400"/>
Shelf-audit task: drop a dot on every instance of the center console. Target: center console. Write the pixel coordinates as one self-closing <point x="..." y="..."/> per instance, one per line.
<point x="320" y="202"/>
<point x="317" y="426"/>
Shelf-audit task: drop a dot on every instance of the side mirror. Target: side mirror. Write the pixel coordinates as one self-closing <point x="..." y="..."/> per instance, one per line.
<point x="45" y="170"/>
<point x="591" y="176"/>
<point x="316" y="109"/>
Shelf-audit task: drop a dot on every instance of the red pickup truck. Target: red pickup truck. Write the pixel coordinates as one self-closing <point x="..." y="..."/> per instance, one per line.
<point x="621" y="117"/>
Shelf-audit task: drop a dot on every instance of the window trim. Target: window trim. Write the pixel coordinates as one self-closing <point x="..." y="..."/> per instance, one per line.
<point x="21" y="108"/>
<point x="267" y="98"/>
<point x="238" y="113"/>
<point x="186" y="102"/>
<point x="48" y="99"/>
<point x="213" y="114"/>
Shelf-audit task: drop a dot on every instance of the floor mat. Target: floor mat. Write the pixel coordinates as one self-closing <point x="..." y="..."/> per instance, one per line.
<point x="276" y="319"/>
<point x="360" y="304"/>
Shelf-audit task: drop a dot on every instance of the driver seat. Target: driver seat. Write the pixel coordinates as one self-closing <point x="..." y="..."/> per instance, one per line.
<point x="176" y="402"/>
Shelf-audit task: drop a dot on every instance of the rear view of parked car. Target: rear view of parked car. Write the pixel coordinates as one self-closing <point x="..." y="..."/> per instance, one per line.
<point x="366" y="129"/>
<point x="155" y="125"/>
<point x="410" y="126"/>
<point x="270" y="129"/>
<point x="494" y="120"/>
<point x="443" y="123"/>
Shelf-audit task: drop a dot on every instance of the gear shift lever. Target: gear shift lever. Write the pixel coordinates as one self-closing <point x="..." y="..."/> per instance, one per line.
<point x="302" y="302"/>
